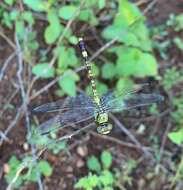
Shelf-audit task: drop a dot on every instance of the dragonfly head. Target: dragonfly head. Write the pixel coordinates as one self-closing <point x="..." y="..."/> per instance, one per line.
<point x="104" y="128"/>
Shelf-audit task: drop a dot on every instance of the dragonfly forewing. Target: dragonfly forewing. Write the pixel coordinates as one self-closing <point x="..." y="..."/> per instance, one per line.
<point x="80" y="101"/>
<point x="130" y="101"/>
<point x="65" y="119"/>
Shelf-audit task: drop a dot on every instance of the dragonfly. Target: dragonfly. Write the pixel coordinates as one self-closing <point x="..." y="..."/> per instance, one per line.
<point x="74" y="110"/>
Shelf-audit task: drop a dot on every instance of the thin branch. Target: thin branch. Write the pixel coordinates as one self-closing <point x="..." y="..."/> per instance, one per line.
<point x="25" y="101"/>
<point x="13" y="123"/>
<point x="150" y="6"/>
<point x="119" y="142"/>
<point x="7" y="39"/>
<point x="5" y="65"/>
<point x="9" y="101"/>
<point x="50" y="84"/>
<point x="165" y="135"/>
<point x="65" y="137"/>
<point x="129" y="134"/>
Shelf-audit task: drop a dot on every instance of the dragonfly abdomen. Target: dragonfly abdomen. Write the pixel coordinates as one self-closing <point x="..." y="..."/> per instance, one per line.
<point x="101" y="117"/>
<point x="90" y="74"/>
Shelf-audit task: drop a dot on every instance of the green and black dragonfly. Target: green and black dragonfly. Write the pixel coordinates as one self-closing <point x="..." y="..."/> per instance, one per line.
<point x="80" y="108"/>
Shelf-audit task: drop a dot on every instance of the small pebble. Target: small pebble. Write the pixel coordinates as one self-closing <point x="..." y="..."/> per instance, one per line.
<point x="82" y="151"/>
<point x="25" y="146"/>
<point x="6" y="168"/>
<point x="80" y="163"/>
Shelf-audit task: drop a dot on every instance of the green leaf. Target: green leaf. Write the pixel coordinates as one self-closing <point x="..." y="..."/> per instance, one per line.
<point x="45" y="168"/>
<point x="67" y="12"/>
<point x="101" y="4"/>
<point x="10" y="176"/>
<point x="113" y="31"/>
<point x="73" y="40"/>
<point x="27" y="16"/>
<point x="36" y="5"/>
<point x="178" y="42"/>
<point x="9" y="2"/>
<point x="13" y="162"/>
<point x="127" y="14"/>
<point x="179" y="22"/>
<point x="95" y="69"/>
<point x="172" y="77"/>
<point x="91" y="3"/>
<point x="19" y="28"/>
<point x="106" y="159"/>
<point x="129" y="27"/>
<point x="93" y="164"/>
<point x="57" y="147"/>
<point x="43" y="70"/>
<point x="30" y="175"/>
<point x="108" y="71"/>
<point x="133" y="62"/>
<point x="68" y="83"/>
<point x="124" y="85"/>
<point x="88" y="183"/>
<point x="101" y="88"/>
<point x="54" y="29"/>
<point x="66" y="57"/>
<point x="176" y="137"/>
<point x="87" y="15"/>
<point x="14" y="14"/>
<point x="14" y="165"/>
<point x="62" y="55"/>
<point x="106" y="178"/>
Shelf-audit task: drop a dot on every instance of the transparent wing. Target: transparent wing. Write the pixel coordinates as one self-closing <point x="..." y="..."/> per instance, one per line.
<point x="110" y="95"/>
<point x="114" y="103"/>
<point x="80" y="101"/>
<point x="64" y="119"/>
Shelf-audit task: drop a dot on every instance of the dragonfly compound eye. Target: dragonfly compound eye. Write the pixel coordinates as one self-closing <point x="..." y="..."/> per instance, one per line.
<point x="104" y="128"/>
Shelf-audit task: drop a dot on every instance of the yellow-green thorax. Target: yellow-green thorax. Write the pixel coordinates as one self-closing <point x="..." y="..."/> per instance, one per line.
<point x="103" y="126"/>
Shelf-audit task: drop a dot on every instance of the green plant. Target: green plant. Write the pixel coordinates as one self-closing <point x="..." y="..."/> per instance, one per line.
<point x="177" y="136"/>
<point x="178" y="175"/>
<point x="176" y="22"/>
<point x="134" y="45"/>
<point x="132" y="50"/>
<point x="26" y="170"/>
<point x="162" y="48"/>
<point x="101" y="177"/>
<point x="160" y="43"/>
<point x="123" y="174"/>
<point x="178" y="42"/>
<point x="171" y="78"/>
<point x="161" y="35"/>
<point x="48" y="141"/>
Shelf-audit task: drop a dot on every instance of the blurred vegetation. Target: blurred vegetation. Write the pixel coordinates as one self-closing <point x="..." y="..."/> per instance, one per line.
<point x="133" y="50"/>
<point x="15" y="168"/>
<point x="103" y="176"/>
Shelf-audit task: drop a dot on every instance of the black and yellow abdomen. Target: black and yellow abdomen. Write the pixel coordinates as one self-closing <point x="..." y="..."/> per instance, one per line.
<point x="101" y="117"/>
